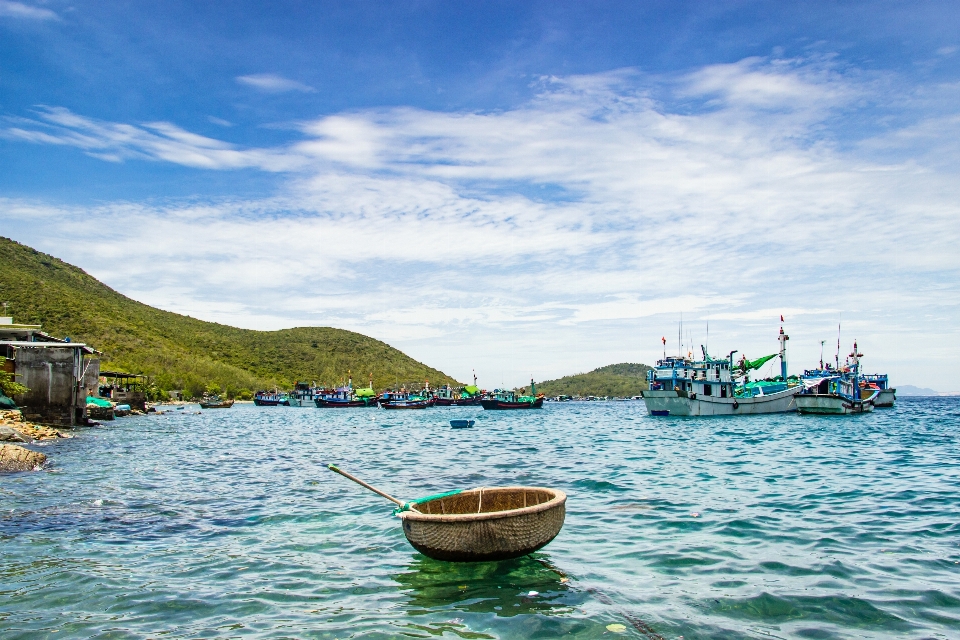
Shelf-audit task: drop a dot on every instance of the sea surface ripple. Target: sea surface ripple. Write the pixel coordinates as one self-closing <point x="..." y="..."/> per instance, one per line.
<point x="226" y="524"/>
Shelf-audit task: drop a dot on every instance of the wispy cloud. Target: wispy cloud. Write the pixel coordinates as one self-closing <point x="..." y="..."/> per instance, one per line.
<point x="160" y="141"/>
<point x="9" y="9"/>
<point x="271" y="83"/>
<point x="577" y="218"/>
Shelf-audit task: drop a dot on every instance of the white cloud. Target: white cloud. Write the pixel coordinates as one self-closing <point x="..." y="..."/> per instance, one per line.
<point x="271" y="83"/>
<point x="11" y="9"/>
<point x="588" y="218"/>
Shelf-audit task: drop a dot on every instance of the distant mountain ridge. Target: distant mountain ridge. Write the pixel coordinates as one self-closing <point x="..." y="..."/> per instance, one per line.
<point x="622" y="380"/>
<point x="910" y="390"/>
<point x="180" y="352"/>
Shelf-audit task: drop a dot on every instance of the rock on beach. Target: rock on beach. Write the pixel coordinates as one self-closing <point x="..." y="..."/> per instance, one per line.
<point x="14" y="458"/>
<point x="13" y="420"/>
<point x="9" y="434"/>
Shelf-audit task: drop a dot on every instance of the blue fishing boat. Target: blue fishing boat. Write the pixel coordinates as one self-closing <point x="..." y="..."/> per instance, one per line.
<point x="346" y="397"/>
<point x="837" y="391"/>
<point x="881" y="382"/>
<point x="503" y="399"/>
<point x="273" y="399"/>
<point x="466" y="396"/>
<point x="404" y="399"/>
<point x="682" y="386"/>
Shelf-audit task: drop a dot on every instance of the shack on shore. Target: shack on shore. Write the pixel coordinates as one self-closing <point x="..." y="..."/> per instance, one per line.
<point x="124" y="388"/>
<point x="58" y="373"/>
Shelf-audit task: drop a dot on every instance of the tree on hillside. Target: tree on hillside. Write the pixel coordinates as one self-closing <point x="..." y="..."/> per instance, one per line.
<point x="8" y="385"/>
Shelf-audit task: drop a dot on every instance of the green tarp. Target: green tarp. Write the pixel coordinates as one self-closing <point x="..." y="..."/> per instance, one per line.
<point x="6" y="402"/>
<point x="100" y="402"/>
<point x="748" y="365"/>
<point x="365" y="393"/>
<point x="471" y="390"/>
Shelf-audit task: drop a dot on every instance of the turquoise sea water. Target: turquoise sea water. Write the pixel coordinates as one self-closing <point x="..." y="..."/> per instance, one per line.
<point x="226" y="524"/>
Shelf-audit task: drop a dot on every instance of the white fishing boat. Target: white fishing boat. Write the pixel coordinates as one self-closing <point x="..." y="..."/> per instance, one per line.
<point x="682" y="386"/>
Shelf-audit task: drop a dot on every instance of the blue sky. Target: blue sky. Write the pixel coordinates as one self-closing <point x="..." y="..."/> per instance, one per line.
<point x="520" y="188"/>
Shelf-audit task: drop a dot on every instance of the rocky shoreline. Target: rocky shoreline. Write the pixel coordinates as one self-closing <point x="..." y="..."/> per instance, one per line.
<point x="14" y="429"/>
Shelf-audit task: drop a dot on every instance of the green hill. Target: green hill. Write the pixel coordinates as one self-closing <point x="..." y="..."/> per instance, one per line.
<point x="615" y="380"/>
<point x="180" y="352"/>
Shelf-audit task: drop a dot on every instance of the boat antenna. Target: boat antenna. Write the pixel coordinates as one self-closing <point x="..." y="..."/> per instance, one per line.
<point x="821" y="354"/>
<point x="707" y="350"/>
<point x="664" y="340"/>
<point x="837" y="357"/>
<point x="679" y="333"/>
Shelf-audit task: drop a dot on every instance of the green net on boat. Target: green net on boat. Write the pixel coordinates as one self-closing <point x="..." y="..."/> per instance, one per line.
<point x="748" y="365"/>
<point x="471" y="390"/>
<point x="365" y="392"/>
<point x="100" y="402"/>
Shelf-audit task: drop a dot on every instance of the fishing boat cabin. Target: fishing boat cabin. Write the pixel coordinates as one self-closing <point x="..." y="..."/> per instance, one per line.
<point x="707" y="377"/>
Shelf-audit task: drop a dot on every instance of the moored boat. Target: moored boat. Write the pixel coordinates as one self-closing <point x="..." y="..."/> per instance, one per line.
<point x="346" y="397"/>
<point x="215" y="402"/>
<point x="502" y="399"/>
<point x="404" y="399"/>
<point x="272" y="399"/>
<point x="682" y="386"/>
<point x="466" y="396"/>
<point x="887" y="395"/>
<point x="838" y="391"/>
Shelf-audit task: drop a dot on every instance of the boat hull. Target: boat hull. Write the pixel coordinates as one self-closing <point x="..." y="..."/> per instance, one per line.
<point x="406" y="404"/>
<point x="266" y="403"/>
<point x="885" y="398"/>
<point x="500" y="405"/>
<point x="216" y="405"/>
<point x="461" y="402"/>
<point x="345" y="404"/>
<point x="682" y="403"/>
<point x="831" y="404"/>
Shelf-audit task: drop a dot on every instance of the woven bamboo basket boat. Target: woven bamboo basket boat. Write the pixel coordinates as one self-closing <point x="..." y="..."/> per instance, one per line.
<point x="489" y="523"/>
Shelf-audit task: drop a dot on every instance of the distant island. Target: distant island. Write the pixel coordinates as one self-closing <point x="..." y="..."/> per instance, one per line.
<point x="910" y="390"/>
<point x="623" y="380"/>
<point x="183" y="353"/>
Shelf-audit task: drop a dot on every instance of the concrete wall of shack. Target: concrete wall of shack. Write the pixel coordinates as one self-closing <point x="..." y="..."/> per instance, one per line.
<point x="53" y="375"/>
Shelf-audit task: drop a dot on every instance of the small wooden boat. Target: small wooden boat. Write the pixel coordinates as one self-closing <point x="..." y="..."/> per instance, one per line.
<point x="461" y="424"/>
<point x="483" y="524"/>
<point x="215" y="402"/>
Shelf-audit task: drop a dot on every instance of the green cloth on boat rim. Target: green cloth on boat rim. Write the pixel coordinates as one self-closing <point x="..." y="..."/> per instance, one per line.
<point x="759" y="362"/>
<point x="365" y="392"/>
<point x="408" y="505"/>
<point x="100" y="402"/>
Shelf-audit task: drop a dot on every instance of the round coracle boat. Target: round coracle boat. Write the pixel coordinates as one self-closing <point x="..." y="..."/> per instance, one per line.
<point x="489" y="523"/>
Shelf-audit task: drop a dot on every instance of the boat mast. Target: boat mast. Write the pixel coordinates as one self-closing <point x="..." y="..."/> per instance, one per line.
<point x="783" y="352"/>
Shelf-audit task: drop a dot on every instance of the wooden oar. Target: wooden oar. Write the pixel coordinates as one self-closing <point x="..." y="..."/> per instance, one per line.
<point x="360" y="482"/>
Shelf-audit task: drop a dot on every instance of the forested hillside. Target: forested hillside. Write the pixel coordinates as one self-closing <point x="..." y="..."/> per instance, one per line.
<point x="180" y="352"/>
<point x="615" y="380"/>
